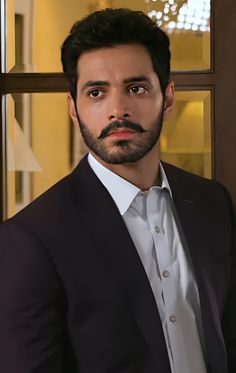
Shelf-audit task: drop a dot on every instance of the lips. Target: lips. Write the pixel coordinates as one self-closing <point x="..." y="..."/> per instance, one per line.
<point x="121" y="132"/>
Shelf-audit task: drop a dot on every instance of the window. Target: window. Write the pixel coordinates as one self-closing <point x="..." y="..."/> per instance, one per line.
<point x="39" y="144"/>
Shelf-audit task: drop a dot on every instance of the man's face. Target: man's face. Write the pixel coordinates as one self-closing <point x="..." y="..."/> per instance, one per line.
<point x="119" y="103"/>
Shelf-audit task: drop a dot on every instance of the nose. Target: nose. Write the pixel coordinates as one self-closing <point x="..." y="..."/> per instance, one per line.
<point x="118" y="107"/>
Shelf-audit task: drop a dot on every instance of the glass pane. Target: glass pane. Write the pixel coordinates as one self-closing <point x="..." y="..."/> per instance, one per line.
<point x="186" y="138"/>
<point x="42" y="145"/>
<point x="188" y="24"/>
<point x="36" y="30"/>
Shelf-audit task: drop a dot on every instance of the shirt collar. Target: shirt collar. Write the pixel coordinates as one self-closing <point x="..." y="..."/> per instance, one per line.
<point x="122" y="191"/>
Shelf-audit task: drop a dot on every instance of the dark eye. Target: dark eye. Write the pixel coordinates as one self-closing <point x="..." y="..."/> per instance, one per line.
<point x="137" y="90"/>
<point x="95" y="93"/>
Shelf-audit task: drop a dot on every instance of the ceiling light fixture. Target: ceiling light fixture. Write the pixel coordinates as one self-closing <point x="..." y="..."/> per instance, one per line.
<point x="180" y="15"/>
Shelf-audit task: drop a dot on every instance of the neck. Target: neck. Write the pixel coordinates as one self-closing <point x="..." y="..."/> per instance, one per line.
<point x="143" y="173"/>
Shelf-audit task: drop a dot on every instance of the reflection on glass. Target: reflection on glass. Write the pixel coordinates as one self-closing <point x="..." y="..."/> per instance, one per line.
<point x="188" y="24"/>
<point x="37" y="29"/>
<point x="42" y="145"/>
<point x="175" y="15"/>
<point x="186" y="138"/>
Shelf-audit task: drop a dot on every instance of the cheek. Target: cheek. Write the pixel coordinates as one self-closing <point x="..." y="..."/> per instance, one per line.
<point x="92" y="116"/>
<point x="88" y="108"/>
<point x="148" y="111"/>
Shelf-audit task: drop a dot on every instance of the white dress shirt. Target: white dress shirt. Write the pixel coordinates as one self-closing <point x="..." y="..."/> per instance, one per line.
<point x="150" y="221"/>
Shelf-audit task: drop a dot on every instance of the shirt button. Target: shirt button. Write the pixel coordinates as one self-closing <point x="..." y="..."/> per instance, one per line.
<point x="173" y="318"/>
<point x="157" y="229"/>
<point x="166" y="274"/>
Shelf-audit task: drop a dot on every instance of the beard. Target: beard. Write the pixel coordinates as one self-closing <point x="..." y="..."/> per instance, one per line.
<point x="123" y="151"/>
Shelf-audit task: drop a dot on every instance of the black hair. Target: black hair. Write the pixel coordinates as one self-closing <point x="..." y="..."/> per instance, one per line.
<point x="110" y="27"/>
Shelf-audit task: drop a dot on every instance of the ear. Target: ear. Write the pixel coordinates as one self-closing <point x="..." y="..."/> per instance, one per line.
<point x="72" y="109"/>
<point x="169" y="100"/>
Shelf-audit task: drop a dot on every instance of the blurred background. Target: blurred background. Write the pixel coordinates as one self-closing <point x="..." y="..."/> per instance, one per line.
<point x="39" y="143"/>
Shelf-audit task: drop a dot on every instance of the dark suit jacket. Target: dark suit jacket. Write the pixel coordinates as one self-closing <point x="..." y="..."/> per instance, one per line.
<point x="75" y="296"/>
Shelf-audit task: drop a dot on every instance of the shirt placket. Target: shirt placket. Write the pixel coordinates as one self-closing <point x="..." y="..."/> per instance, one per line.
<point x="162" y="229"/>
<point x="156" y="208"/>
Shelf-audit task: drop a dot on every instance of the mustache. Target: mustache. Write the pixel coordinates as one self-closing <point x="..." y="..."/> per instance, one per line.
<point x="121" y="124"/>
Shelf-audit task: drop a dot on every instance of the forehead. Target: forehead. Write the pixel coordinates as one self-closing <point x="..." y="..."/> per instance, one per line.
<point x="120" y="61"/>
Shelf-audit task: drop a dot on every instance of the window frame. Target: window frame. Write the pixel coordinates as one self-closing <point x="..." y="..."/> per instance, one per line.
<point x="220" y="80"/>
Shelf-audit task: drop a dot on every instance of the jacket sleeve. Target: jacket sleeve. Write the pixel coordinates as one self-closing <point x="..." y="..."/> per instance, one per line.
<point x="229" y="319"/>
<point x="31" y="306"/>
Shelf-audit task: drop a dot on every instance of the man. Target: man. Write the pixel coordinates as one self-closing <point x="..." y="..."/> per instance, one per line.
<point x="124" y="265"/>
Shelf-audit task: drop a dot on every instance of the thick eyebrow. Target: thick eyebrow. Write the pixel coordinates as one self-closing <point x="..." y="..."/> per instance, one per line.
<point x="94" y="83"/>
<point x="138" y="79"/>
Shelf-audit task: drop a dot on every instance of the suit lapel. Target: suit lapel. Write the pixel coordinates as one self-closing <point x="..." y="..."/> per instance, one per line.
<point x="105" y="224"/>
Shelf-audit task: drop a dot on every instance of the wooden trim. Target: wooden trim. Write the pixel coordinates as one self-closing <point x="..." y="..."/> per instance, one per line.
<point x="3" y="173"/>
<point x="225" y="101"/>
<point x="2" y="166"/>
<point x="193" y="79"/>
<point x="32" y="82"/>
<point x="56" y="82"/>
<point x="2" y="156"/>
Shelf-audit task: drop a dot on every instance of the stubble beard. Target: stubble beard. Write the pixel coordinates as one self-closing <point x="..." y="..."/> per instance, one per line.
<point x="123" y="151"/>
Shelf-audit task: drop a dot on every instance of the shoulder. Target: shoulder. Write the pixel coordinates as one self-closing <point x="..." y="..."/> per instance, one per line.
<point x="209" y="196"/>
<point x="59" y="210"/>
<point x="52" y="200"/>
<point x="46" y="210"/>
<point x="191" y="182"/>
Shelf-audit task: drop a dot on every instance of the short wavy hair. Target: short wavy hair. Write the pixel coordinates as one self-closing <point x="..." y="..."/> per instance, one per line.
<point x="111" y="27"/>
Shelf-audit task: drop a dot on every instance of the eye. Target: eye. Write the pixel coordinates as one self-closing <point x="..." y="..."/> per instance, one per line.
<point x="96" y="93"/>
<point x="137" y="89"/>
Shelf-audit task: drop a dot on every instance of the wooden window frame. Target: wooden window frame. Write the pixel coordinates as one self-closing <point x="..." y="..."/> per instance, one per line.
<point x="220" y="80"/>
